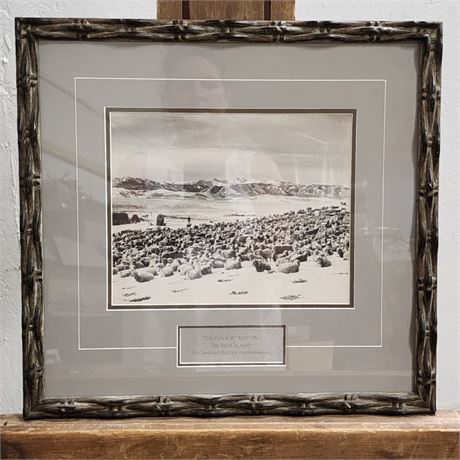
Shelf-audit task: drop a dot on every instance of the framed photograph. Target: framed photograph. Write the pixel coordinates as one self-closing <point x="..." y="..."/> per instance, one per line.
<point x="212" y="195"/>
<point x="228" y="218"/>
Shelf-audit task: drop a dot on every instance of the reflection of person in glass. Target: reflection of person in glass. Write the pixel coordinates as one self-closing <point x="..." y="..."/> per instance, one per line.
<point x="251" y="181"/>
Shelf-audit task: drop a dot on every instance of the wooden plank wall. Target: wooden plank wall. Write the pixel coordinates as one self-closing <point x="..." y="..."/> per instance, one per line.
<point x="226" y="9"/>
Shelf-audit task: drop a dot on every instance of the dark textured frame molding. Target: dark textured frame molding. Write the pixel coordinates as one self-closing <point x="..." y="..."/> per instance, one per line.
<point x="29" y="32"/>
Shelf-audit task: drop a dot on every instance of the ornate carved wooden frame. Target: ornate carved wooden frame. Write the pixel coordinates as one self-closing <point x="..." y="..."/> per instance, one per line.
<point x="29" y="33"/>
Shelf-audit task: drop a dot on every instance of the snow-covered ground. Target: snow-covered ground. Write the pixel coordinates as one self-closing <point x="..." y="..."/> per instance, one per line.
<point x="312" y="285"/>
<point x="177" y="206"/>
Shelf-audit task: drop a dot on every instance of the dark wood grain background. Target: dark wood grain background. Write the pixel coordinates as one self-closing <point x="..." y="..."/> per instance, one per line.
<point x="237" y="10"/>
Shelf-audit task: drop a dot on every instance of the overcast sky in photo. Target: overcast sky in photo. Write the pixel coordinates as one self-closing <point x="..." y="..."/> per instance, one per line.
<point x="303" y="148"/>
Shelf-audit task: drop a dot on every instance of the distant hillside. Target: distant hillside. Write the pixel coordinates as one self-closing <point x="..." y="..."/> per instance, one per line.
<point x="217" y="188"/>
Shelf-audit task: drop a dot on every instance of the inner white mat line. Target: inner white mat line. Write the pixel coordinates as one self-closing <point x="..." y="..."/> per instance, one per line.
<point x="233" y="308"/>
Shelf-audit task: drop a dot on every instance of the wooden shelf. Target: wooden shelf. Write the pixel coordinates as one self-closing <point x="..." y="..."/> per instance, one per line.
<point x="349" y="437"/>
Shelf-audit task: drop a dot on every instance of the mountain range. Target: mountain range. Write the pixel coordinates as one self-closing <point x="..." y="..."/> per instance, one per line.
<point x="218" y="188"/>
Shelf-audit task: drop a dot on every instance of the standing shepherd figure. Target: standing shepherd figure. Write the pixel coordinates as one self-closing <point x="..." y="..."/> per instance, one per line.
<point x="160" y="220"/>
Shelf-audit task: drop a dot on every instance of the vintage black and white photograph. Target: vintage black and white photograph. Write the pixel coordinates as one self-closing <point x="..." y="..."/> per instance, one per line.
<point x="230" y="208"/>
